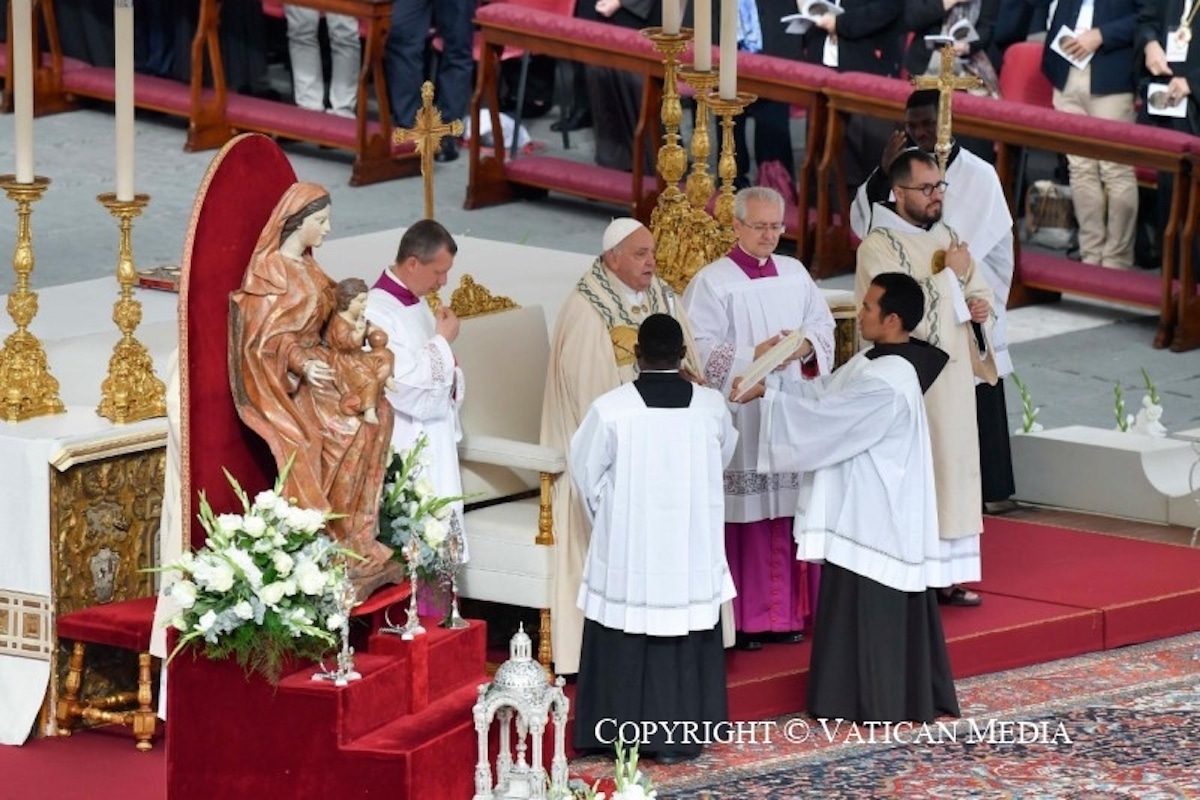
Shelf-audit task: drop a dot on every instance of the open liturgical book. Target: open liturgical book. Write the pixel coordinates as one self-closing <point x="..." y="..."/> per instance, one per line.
<point x="769" y="361"/>
<point x="810" y="12"/>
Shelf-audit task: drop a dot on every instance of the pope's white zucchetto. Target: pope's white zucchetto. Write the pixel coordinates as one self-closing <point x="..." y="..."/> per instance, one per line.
<point x="618" y="231"/>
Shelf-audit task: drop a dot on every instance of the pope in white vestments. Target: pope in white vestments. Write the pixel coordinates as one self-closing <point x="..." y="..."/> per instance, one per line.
<point x="591" y="353"/>
<point x="647" y="462"/>
<point x="869" y="513"/>
<point x="739" y="306"/>
<point x="428" y="385"/>
<point x="910" y="237"/>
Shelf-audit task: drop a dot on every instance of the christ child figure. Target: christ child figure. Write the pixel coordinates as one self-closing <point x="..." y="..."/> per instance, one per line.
<point x="360" y="376"/>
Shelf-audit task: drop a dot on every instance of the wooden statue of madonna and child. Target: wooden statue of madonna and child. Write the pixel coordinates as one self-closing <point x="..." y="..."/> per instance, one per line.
<point x="303" y="382"/>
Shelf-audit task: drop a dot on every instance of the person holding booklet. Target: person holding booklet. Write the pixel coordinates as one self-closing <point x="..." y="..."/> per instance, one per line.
<point x="862" y="439"/>
<point x="740" y="307"/>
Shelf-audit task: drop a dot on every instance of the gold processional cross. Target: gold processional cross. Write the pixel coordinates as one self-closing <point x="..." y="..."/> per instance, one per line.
<point x="428" y="132"/>
<point x="945" y="82"/>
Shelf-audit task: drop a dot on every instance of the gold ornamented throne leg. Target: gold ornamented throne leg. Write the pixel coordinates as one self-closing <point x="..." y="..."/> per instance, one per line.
<point x="68" y="710"/>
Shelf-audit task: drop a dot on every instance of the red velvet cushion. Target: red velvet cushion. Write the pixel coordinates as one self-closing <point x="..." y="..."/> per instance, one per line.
<point x="1047" y="271"/>
<point x="552" y="25"/>
<point x="239" y="191"/>
<point x="572" y="177"/>
<point x="876" y="86"/>
<point x="783" y="70"/>
<point x="126" y="624"/>
<point x="285" y="119"/>
<point x="1021" y="77"/>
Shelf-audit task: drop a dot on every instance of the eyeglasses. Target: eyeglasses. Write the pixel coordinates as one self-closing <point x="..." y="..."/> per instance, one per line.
<point x="765" y="227"/>
<point x="928" y="189"/>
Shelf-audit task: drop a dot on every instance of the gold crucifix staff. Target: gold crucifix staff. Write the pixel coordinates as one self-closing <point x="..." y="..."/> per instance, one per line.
<point x="945" y="83"/>
<point x="428" y="132"/>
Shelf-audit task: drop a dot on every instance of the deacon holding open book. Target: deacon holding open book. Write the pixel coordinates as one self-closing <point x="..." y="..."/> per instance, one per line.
<point x="870" y="514"/>
<point x="740" y="307"/>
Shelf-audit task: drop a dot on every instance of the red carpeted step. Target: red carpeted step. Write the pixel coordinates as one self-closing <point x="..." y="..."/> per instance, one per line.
<point x="1145" y="590"/>
<point x="442" y="661"/>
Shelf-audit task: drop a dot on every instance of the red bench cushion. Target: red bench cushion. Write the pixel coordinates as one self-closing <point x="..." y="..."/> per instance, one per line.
<point x="126" y="624"/>
<point x="573" y="177"/>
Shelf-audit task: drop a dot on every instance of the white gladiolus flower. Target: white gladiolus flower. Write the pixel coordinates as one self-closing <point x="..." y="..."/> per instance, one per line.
<point x="229" y="523"/>
<point x="184" y="593"/>
<point x="272" y="593"/>
<point x="444" y="512"/>
<point x="244" y="610"/>
<point x="335" y="622"/>
<point x="205" y="623"/>
<point x="265" y="499"/>
<point x="246" y="564"/>
<point x="424" y="489"/>
<point x="220" y="578"/>
<point x="179" y="623"/>
<point x="309" y="578"/>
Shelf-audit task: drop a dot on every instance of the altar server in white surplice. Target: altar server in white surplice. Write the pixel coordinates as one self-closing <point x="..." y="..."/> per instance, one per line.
<point x="428" y="385"/>
<point x="739" y="307"/>
<point x="909" y="236"/>
<point x="870" y="514"/>
<point x="647" y="461"/>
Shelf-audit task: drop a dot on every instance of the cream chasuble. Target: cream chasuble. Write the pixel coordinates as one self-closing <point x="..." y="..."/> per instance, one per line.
<point x="894" y="245"/>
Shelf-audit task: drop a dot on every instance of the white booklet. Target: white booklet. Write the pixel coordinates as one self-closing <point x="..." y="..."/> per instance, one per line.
<point x="963" y="31"/>
<point x="769" y="361"/>
<point x="810" y="12"/>
<point x="1159" y="104"/>
<point x="1060" y="40"/>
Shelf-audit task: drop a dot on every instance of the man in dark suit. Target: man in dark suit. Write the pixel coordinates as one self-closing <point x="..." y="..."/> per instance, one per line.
<point x="1091" y="67"/>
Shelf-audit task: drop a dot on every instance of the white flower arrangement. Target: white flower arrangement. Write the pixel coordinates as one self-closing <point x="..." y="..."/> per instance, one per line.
<point x="628" y="782"/>
<point x="410" y="511"/>
<point x="265" y="585"/>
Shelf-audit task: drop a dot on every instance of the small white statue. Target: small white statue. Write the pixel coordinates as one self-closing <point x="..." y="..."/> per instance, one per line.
<point x="1147" y="420"/>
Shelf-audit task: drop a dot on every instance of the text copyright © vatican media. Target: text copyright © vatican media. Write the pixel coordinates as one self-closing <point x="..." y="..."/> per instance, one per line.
<point x="797" y="731"/>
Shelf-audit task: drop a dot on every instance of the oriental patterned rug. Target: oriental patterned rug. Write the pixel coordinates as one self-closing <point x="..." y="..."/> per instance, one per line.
<point x="1122" y="723"/>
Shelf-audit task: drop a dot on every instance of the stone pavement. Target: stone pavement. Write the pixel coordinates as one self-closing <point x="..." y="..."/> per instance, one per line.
<point x="1070" y="354"/>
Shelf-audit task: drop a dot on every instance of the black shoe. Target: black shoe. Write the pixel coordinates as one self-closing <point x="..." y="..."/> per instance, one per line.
<point x="577" y="120"/>
<point x="748" y="642"/>
<point x="447" y="151"/>
<point x="667" y="759"/>
<point x="787" y="637"/>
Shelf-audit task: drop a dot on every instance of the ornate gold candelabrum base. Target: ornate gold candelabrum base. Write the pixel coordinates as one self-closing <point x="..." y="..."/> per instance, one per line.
<point x="27" y="388"/>
<point x="670" y="218"/>
<point x="726" y="110"/>
<point x="132" y="391"/>
<point x="700" y="184"/>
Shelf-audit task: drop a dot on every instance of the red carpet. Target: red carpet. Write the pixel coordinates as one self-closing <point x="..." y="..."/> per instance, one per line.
<point x="1049" y="593"/>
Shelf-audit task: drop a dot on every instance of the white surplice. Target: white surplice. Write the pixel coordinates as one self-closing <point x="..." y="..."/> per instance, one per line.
<point x="976" y="208"/>
<point x="651" y="483"/>
<point x="868" y="502"/>
<point x="730" y="314"/>
<point x="429" y="390"/>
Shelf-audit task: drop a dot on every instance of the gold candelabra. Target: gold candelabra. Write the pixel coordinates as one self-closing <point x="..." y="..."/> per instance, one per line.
<point x="27" y="389"/>
<point x="727" y="109"/>
<point x="132" y="391"/>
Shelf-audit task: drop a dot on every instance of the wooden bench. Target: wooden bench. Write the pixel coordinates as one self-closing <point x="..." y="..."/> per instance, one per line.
<point x="215" y="114"/>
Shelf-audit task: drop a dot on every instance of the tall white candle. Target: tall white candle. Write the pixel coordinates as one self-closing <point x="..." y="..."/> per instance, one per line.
<point x="21" y="36"/>
<point x="123" y="24"/>
<point x="703" y="41"/>
<point x="672" y="15"/>
<point x="727" y="83"/>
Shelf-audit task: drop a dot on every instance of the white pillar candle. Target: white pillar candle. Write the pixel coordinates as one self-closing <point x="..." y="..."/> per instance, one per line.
<point x="702" y="62"/>
<point x="672" y="15"/>
<point x="727" y="84"/>
<point x="123" y="25"/>
<point x="21" y="36"/>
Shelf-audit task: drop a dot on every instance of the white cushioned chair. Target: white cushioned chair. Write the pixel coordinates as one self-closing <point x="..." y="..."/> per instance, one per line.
<point x="506" y="473"/>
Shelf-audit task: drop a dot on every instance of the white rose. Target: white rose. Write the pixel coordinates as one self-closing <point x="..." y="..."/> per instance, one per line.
<point x="242" y="560"/>
<point x="435" y="531"/>
<point x="220" y="578"/>
<point x="184" y="593"/>
<point x="335" y="621"/>
<point x="272" y="593"/>
<point x="244" y="610"/>
<point x="265" y="499"/>
<point x="309" y="578"/>
<point x="255" y="526"/>
<point x="205" y="623"/>
<point x="229" y="523"/>
<point x="283" y="563"/>
<point x="289" y="587"/>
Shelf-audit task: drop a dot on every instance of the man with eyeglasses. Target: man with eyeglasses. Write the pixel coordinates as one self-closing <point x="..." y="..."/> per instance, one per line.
<point x="975" y="207"/>
<point x="740" y="306"/>
<point x="910" y="236"/>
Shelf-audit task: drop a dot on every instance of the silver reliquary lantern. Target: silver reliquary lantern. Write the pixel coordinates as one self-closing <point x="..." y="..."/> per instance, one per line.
<point x="520" y="695"/>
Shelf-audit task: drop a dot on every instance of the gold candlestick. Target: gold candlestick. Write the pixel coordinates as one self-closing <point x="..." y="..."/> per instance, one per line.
<point x="132" y="391"/>
<point x="700" y="184"/>
<point x="727" y="163"/>
<point x="26" y="387"/>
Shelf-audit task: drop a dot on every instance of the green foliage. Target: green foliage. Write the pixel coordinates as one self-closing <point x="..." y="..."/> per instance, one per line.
<point x="1029" y="412"/>
<point x="1151" y="390"/>
<point x="1119" y="409"/>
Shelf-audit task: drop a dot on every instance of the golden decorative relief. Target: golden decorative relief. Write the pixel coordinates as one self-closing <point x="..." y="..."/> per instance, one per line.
<point x="472" y="299"/>
<point x="624" y="338"/>
<point x="104" y="528"/>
